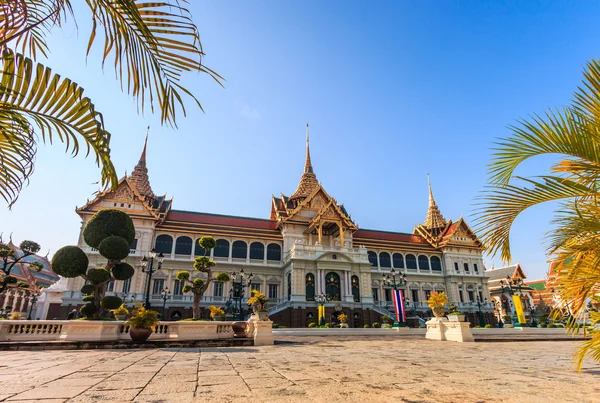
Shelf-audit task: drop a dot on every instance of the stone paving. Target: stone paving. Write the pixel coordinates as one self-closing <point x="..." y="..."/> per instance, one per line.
<point x="305" y="369"/>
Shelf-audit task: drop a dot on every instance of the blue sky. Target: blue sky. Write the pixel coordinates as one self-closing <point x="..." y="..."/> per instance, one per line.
<point x="391" y="90"/>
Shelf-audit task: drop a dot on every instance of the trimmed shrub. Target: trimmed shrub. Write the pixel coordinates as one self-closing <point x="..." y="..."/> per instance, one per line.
<point x="106" y="223"/>
<point x="69" y="261"/>
<point x="183" y="275"/>
<point x="122" y="271"/>
<point x="275" y="326"/>
<point x="198" y="282"/>
<point x="87" y="289"/>
<point x="98" y="276"/>
<point x="552" y="325"/>
<point x="376" y="325"/>
<point x="478" y="327"/>
<point x="327" y="325"/>
<point x="488" y="326"/>
<point x="312" y="324"/>
<point x="207" y="242"/>
<point x="367" y="326"/>
<point x="88" y="309"/>
<point x="543" y="324"/>
<point x="111" y="302"/>
<point x="88" y="298"/>
<point x="222" y="277"/>
<point x="114" y="248"/>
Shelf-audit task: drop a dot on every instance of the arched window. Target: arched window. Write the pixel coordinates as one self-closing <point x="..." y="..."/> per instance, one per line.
<point x="310" y="287"/>
<point x="355" y="289"/>
<point x="289" y="285"/>
<point x="183" y="245"/>
<point x="372" y="258"/>
<point x="164" y="244"/>
<point x="198" y="250"/>
<point x="273" y="252"/>
<point x="332" y="287"/>
<point x="239" y="250"/>
<point x="398" y="261"/>
<point x="222" y="248"/>
<point x="423" y="262"/>
<point x="411" y="262"/>
<point x="257" y="251"/>
<point x="384" y="260"/>
<point x="436" y="263"/>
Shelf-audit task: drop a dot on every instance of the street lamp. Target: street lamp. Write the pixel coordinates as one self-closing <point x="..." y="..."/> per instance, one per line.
<point x="165" y="295"/>
<point x="32" y="302"/>
<point x="149" y="270"/>
<point x="498" y="306"/>
<point x="390" y="281"/>
<point x="237" y="292"/>
<point x="321" y="298"/>
<point x="512" y="287"/>
<point x="479" y="305"/>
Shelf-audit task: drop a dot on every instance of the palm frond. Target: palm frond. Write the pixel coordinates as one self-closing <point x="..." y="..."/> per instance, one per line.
<point x="54" y="108"/>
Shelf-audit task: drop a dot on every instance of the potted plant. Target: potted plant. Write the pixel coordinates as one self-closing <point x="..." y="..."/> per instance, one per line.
<point x="343" y="318"/>
<point x="121" y="312"/>
<point x="216" y="313"/>
<point x="455" y="315"/>
<point x="437" y="302"/>
<point x="259" y="302"/>
<point x="142" y="323"/>
<point x="507" y="321"/>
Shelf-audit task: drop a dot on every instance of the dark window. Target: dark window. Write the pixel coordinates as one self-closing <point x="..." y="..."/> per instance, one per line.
<point x="255" y="286"/>
<point x="257" y="251"/>
<point x="423" y="262"/>
<point x="436" y="263"/>
<point x="355" y="289"/>
<point x="198" y="250"/>
<point x="372" y="258"/>
<point x="456" y="266"/>
<point x="375" y="292"/>
<point x="461" y="296"/>
<point x="480" y="296"/>
<point x="164" y="244"/>
<point x="218" y="289"/>
<point x="471" y="296"/>
<point x="273" y="252"/>
<point x="466" y="266"/>
<point x="222" y="248"/>
<point x="384" y="260"/>
<point x="475" y="267"/>
<point x="178" y="288"/>
<point x="133" y="245"/>
<point x="415" y="295"/>
<point x="158" y="286"/>
<point x="289" y="284"/>
<point x="183" y="245"/>
<point x="239" y="250"/>
<point x="398" y="261"/>
<point x="411" y="262"/>
<point x="332" y="287"/>
<point x="388" y="294"/>
<point x="273" y="291"/>
<point x="310" y="287"/>
<point x="110" y="286"/>
<point x="126" y="286"/>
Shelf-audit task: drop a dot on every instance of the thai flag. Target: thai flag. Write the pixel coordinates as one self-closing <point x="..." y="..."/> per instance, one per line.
<point x="399" y="306"/>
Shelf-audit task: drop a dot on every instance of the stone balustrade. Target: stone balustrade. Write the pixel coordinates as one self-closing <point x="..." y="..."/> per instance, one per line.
<point x="87" y="330"/>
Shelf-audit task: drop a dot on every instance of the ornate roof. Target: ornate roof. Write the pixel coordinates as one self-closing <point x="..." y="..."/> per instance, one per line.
<point x="308" y="181"/>
<point x="434" y="219"/>
<point x="139" y="176"/>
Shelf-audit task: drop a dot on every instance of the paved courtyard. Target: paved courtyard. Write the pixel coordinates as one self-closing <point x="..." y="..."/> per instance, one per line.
<point x="306" y="369"/>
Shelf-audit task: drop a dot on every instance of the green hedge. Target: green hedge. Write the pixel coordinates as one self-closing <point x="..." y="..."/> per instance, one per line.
<point x="69" y="261"/>
<point x="106" y="223"/>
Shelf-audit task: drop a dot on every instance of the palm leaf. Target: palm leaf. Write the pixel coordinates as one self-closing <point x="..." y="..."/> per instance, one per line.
<point x="37" y="101"/>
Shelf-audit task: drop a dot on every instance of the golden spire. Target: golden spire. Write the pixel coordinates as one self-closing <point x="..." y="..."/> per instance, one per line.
<point x="139" y="176"/>
<point x="142" y="161"/>
<point x="308" y="181"/>
<point x="434" y="219"/>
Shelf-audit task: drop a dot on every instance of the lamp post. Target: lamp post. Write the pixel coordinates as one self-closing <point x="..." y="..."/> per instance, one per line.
<point x="498" y="306"/>
<point x="165" y="295"/>
<point x="147" y="267"/>
<point x="237" y="292"/>
<point x="32" y="302"/>
<point x="321" y="298"/>
<point x="390" y="281"/>
<point x="512" y="287"/>
<point x="479" y="305"/>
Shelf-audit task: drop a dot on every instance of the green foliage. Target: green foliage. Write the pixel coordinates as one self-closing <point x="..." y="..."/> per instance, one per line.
<point x="477" y="327"/>
<point x="114" y="248"/>
<point x="543" y="324"/>
<point x="98" y="276"/>
<point x="367" y="326"/>
<point x="88" y="309"/>
<point x="312" y="324"/>
<point x="198" y="282"/>
<point x="208" y="243"/>
<point x="143" y="318"/>
<point x="22" y="284"/>
<point x="88" y="298"/>
<point x="5" y="251"/>
<point x="111" y="302"/>
<point x="106" y="223"/>
<point x="222" y="277"/>
<point x="327" y="325"/>
<point x="36" y="266"/>
<point x="201" y="263"/>
<point x="186" y="288"/>
<point x="29" y="247"/>
<point x="87" y="289"/>
<point x="488" y="326"/>
<point x="507" y="319"/>
<point x="10" y="280"/>
<point x="122" y="271"/>
<point x="552" y="325"/>
<point x="376" y="325"/>
<point x="183" y="275"/>
<point x="69" y="261"/>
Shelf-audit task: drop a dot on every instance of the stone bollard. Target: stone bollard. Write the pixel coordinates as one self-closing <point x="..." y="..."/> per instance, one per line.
<point x="261" y="331"/>
<point x="435" y="329"/>
<point x="445" y="330"/>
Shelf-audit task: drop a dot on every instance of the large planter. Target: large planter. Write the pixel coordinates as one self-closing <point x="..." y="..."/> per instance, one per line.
<point x="438" y="312"/>
<point x="139" y="334"/>
<point x="456" y="318"/>
<point x="120" y="317"/>
<point x="218" y="318"/>
<point x="262" y="315"/>
<point x="239" y="329"/>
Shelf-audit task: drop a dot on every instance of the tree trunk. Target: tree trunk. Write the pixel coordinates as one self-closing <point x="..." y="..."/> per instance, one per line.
<point x="196" y="306"/>
<point x="99" y="292"/>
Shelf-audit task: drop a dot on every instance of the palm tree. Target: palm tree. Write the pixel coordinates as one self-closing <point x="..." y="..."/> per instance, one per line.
<point x="150" y="45"/>
<point x="573" y="132"/>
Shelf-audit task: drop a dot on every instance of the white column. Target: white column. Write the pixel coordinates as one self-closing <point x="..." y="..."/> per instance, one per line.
<point x="323" y="281"/>
<point x="318" y="282"/>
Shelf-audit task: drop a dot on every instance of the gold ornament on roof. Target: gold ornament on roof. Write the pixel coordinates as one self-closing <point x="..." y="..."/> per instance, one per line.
<point x="434" y="219"/>
<point x="308" y="181"/>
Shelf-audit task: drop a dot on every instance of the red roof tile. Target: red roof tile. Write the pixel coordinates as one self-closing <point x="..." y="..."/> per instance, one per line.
<point x="388" y="236"/>
<point x="216" y="219"/>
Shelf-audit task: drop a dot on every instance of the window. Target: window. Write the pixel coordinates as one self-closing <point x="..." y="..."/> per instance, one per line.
<point x="332" y="287"/>
<point x="133" y="245"/>
<point x="423" y="262"/>
<point x="475" y="267"/>
<point x="480" y="296"/>
<point x="273" y="252"/>
<point x="222" y="248"/>
<point x="289" y="285"/>
<point x="178" y="288"/>
<point x="415" y="295"/>
<point x="436" y="263"/>
<point x="164" y="244"/>
<point x="218" y="289"/>
<point x="375" y="292"/>
<point x="456" y="266"/>
<point x="257" y="251"/>
<point x="388" y="294"/>
<point x="310" y="287"/>
<point x="471" y="296"/>
<point x="255" y="286"/>
<point x="355" y="288"/>
<point x="411" y="262"/>
<point x="466" y="265"/>
<point x="427" y="294"/>
<point x="158" y="286"/>
<point x="126" y="286"/>
<point x="384" y="260"/>
<point x="183" y="245"/>
<point x="461" y="296"/>
<point x="198" y="250"/>
<point x="239" y="250"/>
<point x="372" y="258"/>
<point x="273" y="294"/>
<point x="398" y="261"/>
<point x="110" y="286"/>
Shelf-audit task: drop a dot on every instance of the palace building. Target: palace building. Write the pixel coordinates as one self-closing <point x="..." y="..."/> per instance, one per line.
<point x="308" y="246"/>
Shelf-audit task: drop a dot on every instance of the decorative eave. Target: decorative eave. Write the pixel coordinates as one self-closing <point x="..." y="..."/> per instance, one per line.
<point x="319" y="217"/>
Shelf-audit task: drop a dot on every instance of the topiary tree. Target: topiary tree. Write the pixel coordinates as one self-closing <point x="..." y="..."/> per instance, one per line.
<point x="203" y="264"/>
<point x="111" y="232"/>
<point x="9" y="259"/>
